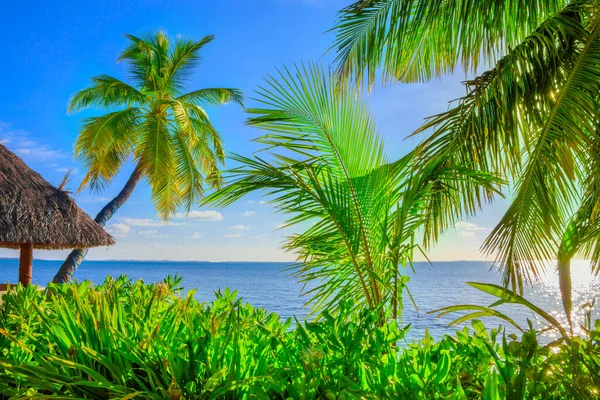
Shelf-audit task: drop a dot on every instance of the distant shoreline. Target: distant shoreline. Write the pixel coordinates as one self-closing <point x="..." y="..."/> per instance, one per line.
<point x="218" y="262"/>
<point x="157" y="261"/>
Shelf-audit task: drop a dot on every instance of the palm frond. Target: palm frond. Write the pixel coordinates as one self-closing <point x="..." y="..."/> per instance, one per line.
<point x="182" y="60"/>
<point x="531" y="120"/>
<point x="105" y="143"/>
<point x="546" y="191"/>
<point x="487" y="127"/>
<point x="515" y="124"/>
<point x="417" y="40"/>
<point x="189" y="180"/>
<point x="202" y="140"/>
<point x="155" y="156"/>
<point x="325" y="158"/>
<point x="106" y="92"/>
<point x="327" y="169"/>
<point x="212" y="96"/>
<point x="141" y="55"/>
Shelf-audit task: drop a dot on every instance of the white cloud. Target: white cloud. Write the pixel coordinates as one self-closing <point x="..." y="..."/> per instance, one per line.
<point x="152" y="233"/>
<point x="196" y="235"/>
<point x="39" y="152"/>
<point x="234" y="235"/>
<point x="262" y="202"/>
<point x="255" y="250"/>
<point x="118" y="230"/>
<point x="468" y="226"/>
<point x="94" y="199"/>
<point x="239" y="227"/>
<point x="249" y="213"/>
<point x="146" y="222"/>
<point x="209" y="215"/>
<point x="29" y="149"/>
<point x="466" y="234"/>
<point x="64" y="170"/>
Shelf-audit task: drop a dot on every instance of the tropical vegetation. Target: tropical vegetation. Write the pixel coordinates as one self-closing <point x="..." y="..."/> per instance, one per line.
<point x="529" y="123"/>
<point x="153" y="122"/>
<point x="326" y="169"/>
<point x="530" y="118"/>
<point x="130" y="340"/>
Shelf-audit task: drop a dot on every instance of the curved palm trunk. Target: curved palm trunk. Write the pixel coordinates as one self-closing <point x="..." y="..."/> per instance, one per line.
<point x="566" y="290"/>
<point x="72" y="262"/>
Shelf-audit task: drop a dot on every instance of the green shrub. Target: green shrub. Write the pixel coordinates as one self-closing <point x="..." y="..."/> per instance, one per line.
<point x="127" y="340"/>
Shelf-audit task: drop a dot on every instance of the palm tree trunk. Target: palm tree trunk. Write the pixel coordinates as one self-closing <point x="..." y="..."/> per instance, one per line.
<point x="566" y="289"/>
<point x="75" y="258"/>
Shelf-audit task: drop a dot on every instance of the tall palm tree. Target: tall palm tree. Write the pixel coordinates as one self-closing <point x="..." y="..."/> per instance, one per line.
<point x="328" y="171"/>
<point x="533" y="117"/>
<point x="165" y="131"/>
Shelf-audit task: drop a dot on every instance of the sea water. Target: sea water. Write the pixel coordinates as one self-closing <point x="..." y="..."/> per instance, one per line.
<point x="273" y="287"/>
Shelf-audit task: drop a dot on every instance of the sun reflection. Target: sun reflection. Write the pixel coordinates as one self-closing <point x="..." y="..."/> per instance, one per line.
<point x="585" y="289"/>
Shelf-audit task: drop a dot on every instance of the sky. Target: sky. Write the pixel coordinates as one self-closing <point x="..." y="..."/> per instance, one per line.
<point x="51" y="52"/>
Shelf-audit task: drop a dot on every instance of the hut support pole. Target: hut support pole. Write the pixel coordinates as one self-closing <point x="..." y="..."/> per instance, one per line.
<point x="25" y="263"/>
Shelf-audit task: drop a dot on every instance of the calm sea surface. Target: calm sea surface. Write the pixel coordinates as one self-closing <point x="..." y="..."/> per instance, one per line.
<point x="269" y="285"/>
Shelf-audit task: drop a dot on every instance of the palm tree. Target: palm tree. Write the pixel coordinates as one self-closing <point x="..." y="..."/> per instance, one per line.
<point x="327" y="170"/>
<point x="165" y="131"/>
<point x="532" y="118"/>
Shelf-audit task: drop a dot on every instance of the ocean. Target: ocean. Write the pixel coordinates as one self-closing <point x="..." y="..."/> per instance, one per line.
<point x="271" y="286"/>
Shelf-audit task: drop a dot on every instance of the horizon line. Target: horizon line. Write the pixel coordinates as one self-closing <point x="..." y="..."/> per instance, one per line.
<point x="222" y="261"/>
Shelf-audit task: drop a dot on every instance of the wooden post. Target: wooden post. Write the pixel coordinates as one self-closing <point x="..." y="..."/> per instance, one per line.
<point x="25" y="263"/>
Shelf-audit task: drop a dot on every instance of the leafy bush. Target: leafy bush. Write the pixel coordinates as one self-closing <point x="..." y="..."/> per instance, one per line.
<point x="126" y="339"/>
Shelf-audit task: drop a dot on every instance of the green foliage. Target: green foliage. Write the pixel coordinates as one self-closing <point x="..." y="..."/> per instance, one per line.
<point x="505" y="296"/>
<point x="531" y="119"/>
<point x="166" y="131"/>
<point x="419" y="39"/>
<point x="327" y="170"/>
<point x="147" y="341"/>
<point x="126" y="340"/>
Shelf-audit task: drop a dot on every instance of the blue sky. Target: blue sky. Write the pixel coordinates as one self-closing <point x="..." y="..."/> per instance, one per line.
<point x="51" y="52"/>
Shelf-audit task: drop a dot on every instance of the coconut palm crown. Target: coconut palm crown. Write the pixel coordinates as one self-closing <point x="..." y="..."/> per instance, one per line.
<point x="153" y="122"/>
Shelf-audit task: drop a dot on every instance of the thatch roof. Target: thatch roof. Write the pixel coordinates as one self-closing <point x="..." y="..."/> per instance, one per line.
<point x="34" y="211"/>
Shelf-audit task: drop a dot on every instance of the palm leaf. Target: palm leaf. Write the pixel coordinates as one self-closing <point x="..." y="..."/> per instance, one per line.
<point x="155" y="156"/>
<point x="326" y="170"/>
<point x="106" y="91"/>
<point x="212" y="96"/>
<point x="182" y="59"/>
<point x="417" y="40"/>
<point x="325" y="156"/>
<point x="105" y="143"/>
<point x="546" y="191"/>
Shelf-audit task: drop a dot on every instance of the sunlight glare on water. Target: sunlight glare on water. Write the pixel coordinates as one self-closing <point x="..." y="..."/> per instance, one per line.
<point x="443" y="284"/>
<point x="585" y="289"/>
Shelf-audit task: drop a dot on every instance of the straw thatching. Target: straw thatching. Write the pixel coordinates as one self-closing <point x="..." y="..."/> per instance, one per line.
<point x="34" y="211"/>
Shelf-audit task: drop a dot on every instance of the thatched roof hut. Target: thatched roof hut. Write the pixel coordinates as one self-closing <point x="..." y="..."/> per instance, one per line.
<point x="35" y="214"/>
